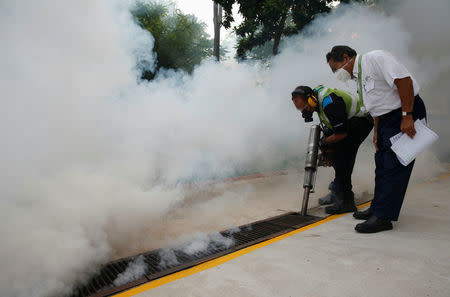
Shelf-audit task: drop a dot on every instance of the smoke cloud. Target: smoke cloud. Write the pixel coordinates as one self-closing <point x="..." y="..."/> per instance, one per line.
<point x="196" y="244"/>
<point x="94" y="161"/>
<point x="135" y="270"/>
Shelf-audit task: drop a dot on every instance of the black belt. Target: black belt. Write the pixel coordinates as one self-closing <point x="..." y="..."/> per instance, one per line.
<point x="386" y="115"/>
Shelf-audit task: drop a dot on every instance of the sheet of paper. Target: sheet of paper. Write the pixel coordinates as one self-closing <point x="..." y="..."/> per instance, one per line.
<point x="407" y="149"/>
<point x="397" y="136"/>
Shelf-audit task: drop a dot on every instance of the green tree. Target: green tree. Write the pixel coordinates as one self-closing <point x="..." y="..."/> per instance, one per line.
<point x="181" y="41"/>
<point x="269" y="20"/>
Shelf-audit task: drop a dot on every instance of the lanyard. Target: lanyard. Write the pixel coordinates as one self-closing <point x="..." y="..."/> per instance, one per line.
<point x="360" y="93"/>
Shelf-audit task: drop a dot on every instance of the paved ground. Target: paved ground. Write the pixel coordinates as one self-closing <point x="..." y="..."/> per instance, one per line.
<point x="333" y="260"/>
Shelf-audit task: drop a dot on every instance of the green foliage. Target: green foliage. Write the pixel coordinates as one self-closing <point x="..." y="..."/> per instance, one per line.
<point x="261" y="53"/>
<point x="181" y="41"/>
<point x="269" y="20"/>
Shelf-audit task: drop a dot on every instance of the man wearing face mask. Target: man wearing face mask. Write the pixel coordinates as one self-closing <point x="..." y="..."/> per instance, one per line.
<point x="390" y="94"/>
<point x="347" y="124"/>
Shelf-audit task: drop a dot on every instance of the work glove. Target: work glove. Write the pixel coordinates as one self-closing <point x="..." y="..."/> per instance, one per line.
<point x="323" y="145"/>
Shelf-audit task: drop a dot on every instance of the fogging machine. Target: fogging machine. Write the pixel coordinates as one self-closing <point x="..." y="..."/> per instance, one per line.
<point x="314" y="159"/>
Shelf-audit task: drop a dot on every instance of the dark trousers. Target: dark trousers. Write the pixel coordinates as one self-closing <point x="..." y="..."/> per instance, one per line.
<point x="391" y="177"/>
<point x="345" y="152"/>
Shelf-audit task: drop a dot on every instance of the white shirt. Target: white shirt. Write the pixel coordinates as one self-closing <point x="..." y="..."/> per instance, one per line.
<point x="379" y="70"/>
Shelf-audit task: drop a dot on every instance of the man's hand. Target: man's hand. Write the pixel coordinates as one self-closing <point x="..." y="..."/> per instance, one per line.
<point x="323" y="145"/>
<point x="375" y="140"/>
<point x="407" y="126"/>
<point x="325" y="159"/>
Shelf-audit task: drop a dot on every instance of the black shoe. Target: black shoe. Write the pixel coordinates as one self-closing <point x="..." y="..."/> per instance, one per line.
<point x="363" y="215"/>
<point x="345" y="202"/>
<point x="373" y="225"/>
<point x="330" y="198"/>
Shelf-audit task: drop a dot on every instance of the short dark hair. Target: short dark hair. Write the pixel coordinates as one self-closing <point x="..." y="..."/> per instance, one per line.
<point x="338" y="51"/>
<point x="303" y="91"/>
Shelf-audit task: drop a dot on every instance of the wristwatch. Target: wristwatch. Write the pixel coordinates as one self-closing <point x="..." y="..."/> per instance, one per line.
<point x="405" y="113"/>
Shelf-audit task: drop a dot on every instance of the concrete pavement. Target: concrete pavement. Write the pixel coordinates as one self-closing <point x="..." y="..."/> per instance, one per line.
<point x="333" y="260"/>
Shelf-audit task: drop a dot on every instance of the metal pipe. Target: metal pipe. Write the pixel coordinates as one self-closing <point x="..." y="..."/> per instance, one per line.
<point x="305" y="201"/>
<point x="310" y="165"/>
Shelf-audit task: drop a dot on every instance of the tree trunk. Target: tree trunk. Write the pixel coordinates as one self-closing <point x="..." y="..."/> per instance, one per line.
<point x="217" y="20"/>
<point x="278" y="34"/>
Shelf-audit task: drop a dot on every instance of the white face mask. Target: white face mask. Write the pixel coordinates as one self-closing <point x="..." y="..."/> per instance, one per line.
<point x="342" y="74"/>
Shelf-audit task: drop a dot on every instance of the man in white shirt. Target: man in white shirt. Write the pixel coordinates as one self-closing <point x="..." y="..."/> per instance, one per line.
<point x="390" y="95"/>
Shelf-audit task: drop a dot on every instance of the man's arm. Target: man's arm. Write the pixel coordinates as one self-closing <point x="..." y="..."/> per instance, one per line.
<point x="335" y="138"/>
<point x="406" y="93"/>
<point x="337" y="114"/>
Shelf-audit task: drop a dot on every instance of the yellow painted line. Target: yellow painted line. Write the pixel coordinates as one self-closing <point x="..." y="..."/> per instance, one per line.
<point x="223" y="259"/>
<point x="218" y="261"/>
<point x="364" y="205"/>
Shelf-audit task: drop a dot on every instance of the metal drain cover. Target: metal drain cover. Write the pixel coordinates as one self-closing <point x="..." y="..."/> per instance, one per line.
<point x="102" y="284"/>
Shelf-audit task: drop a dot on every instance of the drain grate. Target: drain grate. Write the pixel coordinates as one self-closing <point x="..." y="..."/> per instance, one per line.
<point x="102" y="284"/>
